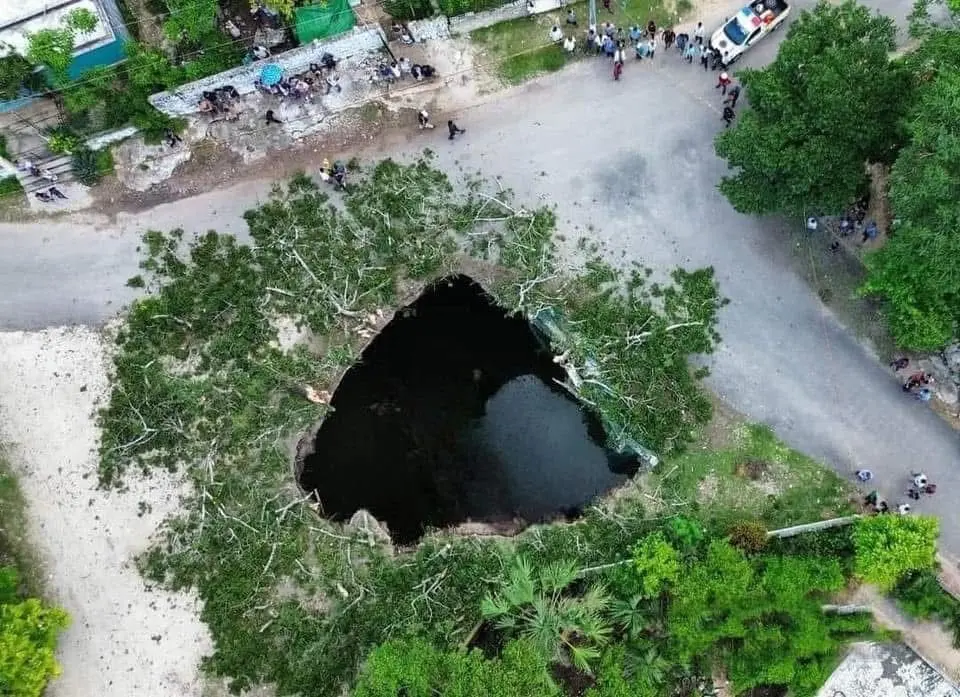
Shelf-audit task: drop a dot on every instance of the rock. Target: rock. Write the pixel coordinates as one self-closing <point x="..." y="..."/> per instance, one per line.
<point x="936" y="367"/>
<point x="951" y="356"/>
<point x="269" y="37"/>
<point x="947" y="392"/>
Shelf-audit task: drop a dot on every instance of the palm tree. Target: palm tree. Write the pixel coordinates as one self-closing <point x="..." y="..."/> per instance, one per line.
<point x="564" y="627"/>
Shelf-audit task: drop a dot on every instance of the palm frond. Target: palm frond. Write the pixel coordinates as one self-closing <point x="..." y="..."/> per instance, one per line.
<point x="520" y="589"/>
<point x="582" y="656"/>
<point x="556" y="576"/>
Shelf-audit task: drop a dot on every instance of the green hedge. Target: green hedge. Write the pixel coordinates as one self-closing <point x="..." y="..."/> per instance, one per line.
<point x="405" y="10"/>
<point x="452" y="8"/>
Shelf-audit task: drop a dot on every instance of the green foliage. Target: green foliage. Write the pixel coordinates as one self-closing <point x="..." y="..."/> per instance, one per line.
<point x="656" y="563"/>
<point x="452" y="8"/>
<point x="686" y="533"/>
<point x="415" y="668"/>
<point x="888" y="547"/>
<point x="406" y="10"/>
<point x="190" y="20"/>
<point x="830" y="102"/>
<point x="85" y="166"/>
<point x="612" y="679"/>
<point x="918" y="270"/>
<point x="919" y="594"/>
<point x="53" y="49"/>
<point x="748" y="535"/>
<point x="15" y="72"/>
<point x="284" y="7"/>
<point x="199" y="383"/>
<point x="538" y="607"/>
<point x="762" y="618"/>
<point x="28" y="639"/>
<point x="63" y="141"/>
<point x="10" y="186"/>
<point x="81" y="21"/>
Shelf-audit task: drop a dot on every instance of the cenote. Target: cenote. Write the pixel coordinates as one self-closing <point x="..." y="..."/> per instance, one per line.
<point x="453" y="414"/>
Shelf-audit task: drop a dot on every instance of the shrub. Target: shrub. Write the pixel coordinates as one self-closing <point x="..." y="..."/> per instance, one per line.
<point x="890" y="546"/>
<point x="405" y="10"/>
<point x="28" y="638"/>
<point x="452" y="8"/>
<point x="84" y="165"/>
<point x="656" y="563"/>
<point x="10" y="186"/>
<point x="920" y="595"/>
<point x="748" y="535"/>
<point x="63" y="141"/>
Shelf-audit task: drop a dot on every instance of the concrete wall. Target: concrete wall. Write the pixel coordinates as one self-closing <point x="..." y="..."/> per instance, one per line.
<point x="184" y="99"/>
<point x="443" y="27"/>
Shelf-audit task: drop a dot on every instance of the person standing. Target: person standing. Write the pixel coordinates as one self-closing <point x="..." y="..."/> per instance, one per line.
<point x="689" y="52"/>
<point x="572" y="18"/>
<point x="454" y="129"/>
<point x="864" y="475"/>
<point x="423" y="118"/>
<point x="733" y="94"/>
<point x="668" y="38"/>
<point x="870" y="232"/>
<point x="606" y="6"/>
<point x="728" y="115"/>
<point x="617" y="69"/>
<point x="723" y="82"/>
<point x="651" y="47"/>
<point x="705" y="57"/>
<point x="651" y="29"/>
<point x="698" y="33"/>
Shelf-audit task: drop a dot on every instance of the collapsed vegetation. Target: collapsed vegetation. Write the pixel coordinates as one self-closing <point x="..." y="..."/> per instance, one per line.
<point x="615" y="603"/>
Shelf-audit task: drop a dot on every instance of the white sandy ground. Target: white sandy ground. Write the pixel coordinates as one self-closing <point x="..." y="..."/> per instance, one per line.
<point x="125" y="640"/>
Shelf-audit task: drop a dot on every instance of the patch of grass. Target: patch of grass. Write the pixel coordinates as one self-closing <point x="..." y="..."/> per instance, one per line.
<point x="10" y="186"/>
<point x="14" y="549"/>
<point x="757" y="477"/>
<point x="521" y="48"/>
<point x="922" y="597"/>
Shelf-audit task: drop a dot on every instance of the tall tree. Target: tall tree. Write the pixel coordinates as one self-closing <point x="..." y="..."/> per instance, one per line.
<point x="918" y="270"/>
<point x="830" y="102"/>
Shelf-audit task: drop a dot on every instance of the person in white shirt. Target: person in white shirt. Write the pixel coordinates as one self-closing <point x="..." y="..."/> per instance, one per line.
<point x="698" y="33"/>
<point x="569" y="44"/>
<point x="556" y="36"/>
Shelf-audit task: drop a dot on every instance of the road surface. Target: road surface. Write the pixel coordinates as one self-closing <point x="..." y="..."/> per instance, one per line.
<point x="634" y="160"/>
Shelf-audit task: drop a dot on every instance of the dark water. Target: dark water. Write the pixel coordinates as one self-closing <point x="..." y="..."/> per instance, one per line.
<point x="452" y="414"/>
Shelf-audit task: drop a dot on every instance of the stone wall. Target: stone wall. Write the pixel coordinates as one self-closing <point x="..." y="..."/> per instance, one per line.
<point x="443" y="27"/>
<point x="184" y="99"/>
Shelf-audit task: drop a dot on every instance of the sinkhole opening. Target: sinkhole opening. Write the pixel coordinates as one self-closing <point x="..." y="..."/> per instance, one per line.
<point x="453" y="414"/>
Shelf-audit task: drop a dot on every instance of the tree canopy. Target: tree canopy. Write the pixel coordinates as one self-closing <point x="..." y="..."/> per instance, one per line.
<point x="918" y="269"/>
<point x="888" y="547"/>
<point x="831" y="102"/>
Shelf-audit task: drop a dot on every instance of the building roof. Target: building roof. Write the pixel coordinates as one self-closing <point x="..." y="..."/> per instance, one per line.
<point x="886" y="670"/>
<point x="21" y="17"/>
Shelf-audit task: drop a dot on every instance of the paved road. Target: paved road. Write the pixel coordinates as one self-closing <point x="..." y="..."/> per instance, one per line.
<point x="634" y="161"/>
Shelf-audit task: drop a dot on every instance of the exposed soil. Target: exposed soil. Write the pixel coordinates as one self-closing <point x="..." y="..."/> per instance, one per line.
<point x="752" y="469"/>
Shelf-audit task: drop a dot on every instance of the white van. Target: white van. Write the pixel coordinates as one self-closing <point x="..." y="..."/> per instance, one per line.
<point x="748" y="26"/>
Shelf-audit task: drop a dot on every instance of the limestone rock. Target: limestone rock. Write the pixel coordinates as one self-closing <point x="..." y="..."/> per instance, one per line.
<point x="947" y="392"/>
<point x="951" y="356"/>
<point x="269" y="37"/>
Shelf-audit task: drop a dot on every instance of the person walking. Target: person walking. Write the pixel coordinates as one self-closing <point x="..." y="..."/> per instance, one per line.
<point x="733" y="94"/>
<point x="698" y="33"/>
<point x="705" y="57"/>
<point x="454" y="130"/>
<point x="723" y="82"/>
<point x="903" y="508"/>
<point x="617" y="70"/>
<point x="870" y="232"/>
<point x="864" y="475"/>
<point x="651" y="47"/>
<point x="920" y="480"/>
<point x="689" y="52"/>
<point x="270" y="118"/>
<point x="728" y="115"/>
<point x="669" y="36"/>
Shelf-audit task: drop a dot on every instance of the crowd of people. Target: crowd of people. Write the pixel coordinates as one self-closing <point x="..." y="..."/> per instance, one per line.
<point x="615" y="43"/>
<point x="919" y="485"/>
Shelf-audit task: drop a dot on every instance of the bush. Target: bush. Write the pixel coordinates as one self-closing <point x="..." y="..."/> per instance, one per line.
<point x="656" y="563"/>
<point x="452" y="8"/>
<point x="890" y="546"/>
<point x="10" y="186"/>
<point x="28" y="638"/>
<point x="89" y="166"/>
<point x="405" y="10"/>
<point x="63" y="141"/>
<point x="748" y="536"/>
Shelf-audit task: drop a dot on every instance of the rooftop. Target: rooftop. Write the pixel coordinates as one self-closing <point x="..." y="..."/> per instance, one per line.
<point x="22" y="17"/>
<point x="886" y="670"/>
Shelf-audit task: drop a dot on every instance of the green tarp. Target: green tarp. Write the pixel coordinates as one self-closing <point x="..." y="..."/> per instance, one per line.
<point x="324" y="20"/>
